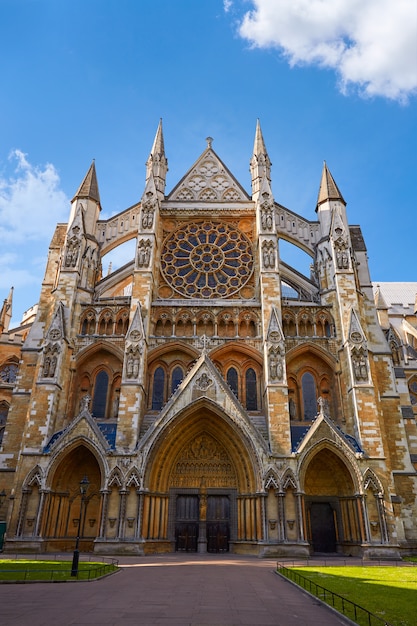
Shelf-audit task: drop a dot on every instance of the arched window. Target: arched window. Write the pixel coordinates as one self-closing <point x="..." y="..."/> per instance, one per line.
<point x="100" y="395"/>
<point x="176" y="378"/>
<point x="413" y="391"/>
<point x="232" y="381"/>
<point x="158" y="389"/>
<point x="308" y="387"/>
<point x="251" y="391"/>
<point x="8" y="373"/>
<point x="4" y="409"/>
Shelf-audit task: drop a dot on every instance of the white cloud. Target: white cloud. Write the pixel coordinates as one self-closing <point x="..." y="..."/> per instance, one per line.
<point x="372" y="44"/>
<point x="31" y="201"/>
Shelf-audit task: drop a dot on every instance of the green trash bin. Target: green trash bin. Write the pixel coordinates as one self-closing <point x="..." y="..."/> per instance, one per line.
<point x="2" y="533"/>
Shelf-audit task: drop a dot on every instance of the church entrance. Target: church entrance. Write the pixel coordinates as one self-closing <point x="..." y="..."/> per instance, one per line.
<point x="323" y="529"/>
<point x="333" y="516"/>
<point x="202" y="523"/>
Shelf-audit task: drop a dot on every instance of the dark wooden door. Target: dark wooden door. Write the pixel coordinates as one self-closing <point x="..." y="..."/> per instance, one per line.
<point x="218" y="523"/>
<point x="186" y="524"/>
<point x="323" y="531"/>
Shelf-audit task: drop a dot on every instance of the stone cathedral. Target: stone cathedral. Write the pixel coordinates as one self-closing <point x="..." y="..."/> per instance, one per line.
<point x="214" y="398"/>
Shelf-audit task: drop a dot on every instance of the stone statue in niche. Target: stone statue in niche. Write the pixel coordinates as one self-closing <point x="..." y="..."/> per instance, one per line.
<point x="360" y="366"/>
<point x="342" y="256"/>
<point x="275" y="365"/>
<point x="266" y="216"/>
<point x="50" y="360"/>
<point x="268" y="254"/>
<point x="72" y="252"/>
<point x="148" y="211"/>
<point x="133" y="362"/>
<point x="144" y="253"/>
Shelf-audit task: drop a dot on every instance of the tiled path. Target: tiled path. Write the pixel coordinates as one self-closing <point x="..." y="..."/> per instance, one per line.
<point x="169" y="590"/>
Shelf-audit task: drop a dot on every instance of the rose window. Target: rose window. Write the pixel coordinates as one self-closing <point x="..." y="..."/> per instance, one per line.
<point x="207" y="260"/>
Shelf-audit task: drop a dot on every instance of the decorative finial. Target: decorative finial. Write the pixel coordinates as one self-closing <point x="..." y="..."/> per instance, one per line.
<point x="209" y="141"/>
<point x="204" y="341"/>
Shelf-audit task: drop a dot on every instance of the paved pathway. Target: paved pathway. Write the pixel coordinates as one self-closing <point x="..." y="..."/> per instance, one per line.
<point x="169" y="590"/>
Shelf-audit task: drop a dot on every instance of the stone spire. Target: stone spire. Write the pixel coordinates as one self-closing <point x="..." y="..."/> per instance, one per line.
<point x="260" y="164"/>
<point x="328" y="188"/>
<point x="6" y="312"/>
<point x="87" y="200"/>
<point x="157" y="163"/>
<point x="89" y="186"/>
<point x="381" y="308"/>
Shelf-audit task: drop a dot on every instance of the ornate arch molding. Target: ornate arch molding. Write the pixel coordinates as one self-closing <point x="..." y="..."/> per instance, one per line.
<point x="342" y="451"/>
<point x="237" y="346"/>
<point x="158" y="352"/>
<point x="371" y="481"/>
<point x="308" y="346"/>
<point x="202" y="416"/>
<point x="289" y="481"/>
<point x="36" y="476"/>
<point x="271" y="480"/>
<point x="116" y="478"/>
<point x="69" y="447"/>
<point x="98" y="346"/>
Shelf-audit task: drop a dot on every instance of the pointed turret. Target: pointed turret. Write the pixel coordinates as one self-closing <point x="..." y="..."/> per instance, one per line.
<point x="381" y="308"/>
<point x="328" y="188"/>
<point x="260" y="164"/>
<point x="88" y="199"/>
<point x="328" y="199"/>
<point x="89" y="186"/>
<point x="6" y="312"/>
<point x="157" y="163"/>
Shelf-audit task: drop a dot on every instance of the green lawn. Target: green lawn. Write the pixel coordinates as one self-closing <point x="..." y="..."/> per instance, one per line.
<point x="388" y="592"/>
<point x="27" y="569"/>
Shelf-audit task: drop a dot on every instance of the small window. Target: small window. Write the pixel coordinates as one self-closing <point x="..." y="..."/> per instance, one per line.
<point x="308" y="386"/>
<point x="158" y="389"/>
<point x="100" y="395"/>
<point x="176" y="379"/>
<point x="232" y="381"/>
<point x="251" y="391"/>
<point x="4" y="409"/>
<point x="8" y="373"/>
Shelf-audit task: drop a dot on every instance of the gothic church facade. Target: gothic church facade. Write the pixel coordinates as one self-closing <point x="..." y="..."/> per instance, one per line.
<point x="216" y="398"/>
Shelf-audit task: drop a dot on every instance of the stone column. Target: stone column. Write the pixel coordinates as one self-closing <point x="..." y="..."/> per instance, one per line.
<point x="122" y="514"/>
<point x="300" y="518"/>
<point x="42" y="500"/>
<point x="104" y="508"/>
<point x="281" y="515"/>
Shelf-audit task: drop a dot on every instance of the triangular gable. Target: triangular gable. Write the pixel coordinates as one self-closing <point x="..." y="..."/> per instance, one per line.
<point x="83" y="426"/>
<point x="208" y="180"/>
<point x="204" y="381"/>
<point x="324" y="428"/>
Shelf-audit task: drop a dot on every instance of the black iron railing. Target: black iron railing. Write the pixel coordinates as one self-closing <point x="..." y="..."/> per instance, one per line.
<point x="349" y="609"/>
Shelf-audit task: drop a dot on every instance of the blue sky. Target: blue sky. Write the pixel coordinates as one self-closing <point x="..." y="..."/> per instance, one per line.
<point x="332" y="80"/>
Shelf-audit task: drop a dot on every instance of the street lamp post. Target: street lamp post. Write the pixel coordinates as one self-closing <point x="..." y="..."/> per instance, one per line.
<point x="84" y="484"/>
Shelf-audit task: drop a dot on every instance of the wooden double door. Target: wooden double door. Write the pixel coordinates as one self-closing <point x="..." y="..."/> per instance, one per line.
<point x="210" y="529"/>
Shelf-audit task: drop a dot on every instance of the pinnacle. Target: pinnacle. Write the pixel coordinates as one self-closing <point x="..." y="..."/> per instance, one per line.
<point x="328" y="188"/>
<point x="89" y="186"/>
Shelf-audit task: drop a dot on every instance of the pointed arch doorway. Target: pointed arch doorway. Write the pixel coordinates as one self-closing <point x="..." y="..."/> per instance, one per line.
<point x="333" y="514"/>
<point x="65" y="511"/>
<point x="203" y="487"/>
<point x="202" y="494"/>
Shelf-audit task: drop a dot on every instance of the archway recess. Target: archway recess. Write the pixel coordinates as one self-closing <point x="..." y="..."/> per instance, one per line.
<point x="66" y="512"/>
<point x="334" y="514"/>
<point x="202" y="491"/>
